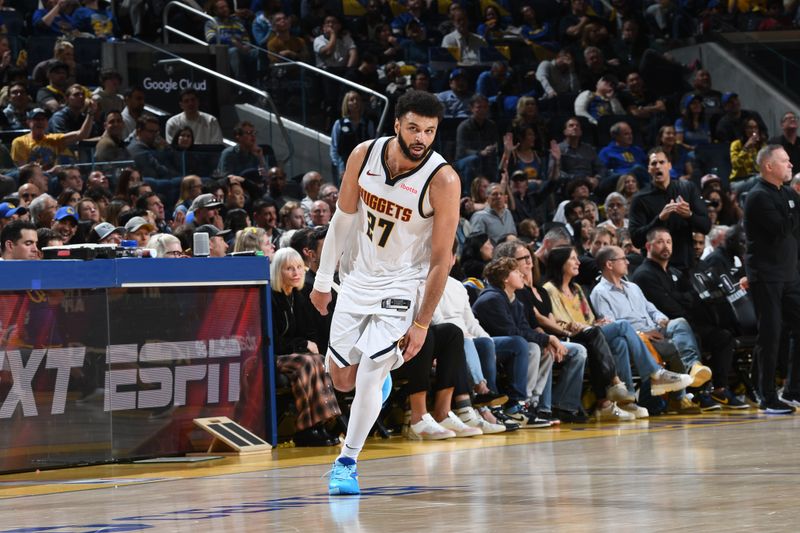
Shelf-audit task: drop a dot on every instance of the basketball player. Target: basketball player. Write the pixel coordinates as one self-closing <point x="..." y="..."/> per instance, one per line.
<point x="391" y="235"/>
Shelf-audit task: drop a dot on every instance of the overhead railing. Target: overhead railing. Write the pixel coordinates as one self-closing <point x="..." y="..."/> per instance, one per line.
<point x="171" y="29"/>
<point x="305" y="67"/>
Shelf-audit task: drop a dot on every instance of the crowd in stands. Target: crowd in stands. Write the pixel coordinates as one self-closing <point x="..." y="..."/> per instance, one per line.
<point x="579" y="144"/>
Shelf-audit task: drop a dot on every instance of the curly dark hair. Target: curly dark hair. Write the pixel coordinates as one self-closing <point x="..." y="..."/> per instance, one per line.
<point x="498" y="270"/>
<point x="420" y="102"/>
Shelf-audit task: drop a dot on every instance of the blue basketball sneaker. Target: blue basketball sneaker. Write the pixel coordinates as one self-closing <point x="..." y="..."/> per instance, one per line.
<point x="344" y="477"/>
<point x="386" y="389"/>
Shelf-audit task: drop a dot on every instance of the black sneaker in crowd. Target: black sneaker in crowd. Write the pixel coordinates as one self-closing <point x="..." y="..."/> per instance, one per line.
<point x="571" y="417"/>
<point x="773" y="406"/>
<point x="490" y="399"/>
<point x="502" y="418"/>
<point x="549" y="417"/>
<point x="791" y="398"/>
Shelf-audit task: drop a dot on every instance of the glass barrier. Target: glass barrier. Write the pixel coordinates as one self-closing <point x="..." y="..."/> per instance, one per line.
<point x="98" y="375"/>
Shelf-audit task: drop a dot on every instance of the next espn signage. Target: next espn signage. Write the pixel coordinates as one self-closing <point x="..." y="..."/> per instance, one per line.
<point x="94" y="375"/>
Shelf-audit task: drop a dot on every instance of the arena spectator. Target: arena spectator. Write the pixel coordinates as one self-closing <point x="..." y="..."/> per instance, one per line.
<point x="86" y="210"/>
<point x="482" y="353"/>
<point x="231" y="32"/>
<point x="731" y="125"/>
<point x="618" y="299"/>
<point x="528" y="200"/>
<point x="150" y="201"/>
<point x="501" y="314"/>
<point x="491" y="82"/>
<point x="275" y="183"/>
<point x="519" y="154"/>
<point x="19" y="104"/>
<point x="291" y="216"/>
<point x="111" y="145"/>
<point x="205" y="127"/>
<point x="528" y="116"/>
<point x="297" y="353"/>
<point x="679" y="156"/>
<point x="476" y="143"/>
<point x="467" y="43"/>
<point x="628" y="186"/>
<point x="265" y="216"/>
<point x="456" y="100"/>
<point x="744" y="149"/>
<point x="668" y="290"/>
<point x="416" y="46"/>
<point x="788" y="138"/>
<point x="592" y="105"/>
<point x="534" y="32"/>
<point x="73" y="114"/>
<point x="252" y="239"/>
<point x="281" y="41"/>
<point x="139" y="229"/>
<point x="48" y="149"/>
<point x="571" y="306"/>
<point x="593" y="68"/>
<point x="205" y="209"/>
<point x="616" y="210"/>
<point x="27" y="192"/>
<point x="70" y="178"/>
<point x="33" y="173"/>
<point x="63" y="52"/>
<point x="19" y="240"/>
<point x="311" y="183"/>
<point x="621" y="156"/>
<point x="246" y="156"/>
<point x="106" y="233"/>
<point x="329" y="193"/>
<point x="558" y="76"/>
<point x="320" y="213"/>
<point x="579" y="159"/>
<point x="116" y="208"/>
<point x="107" y="94"/>
<point x="352" y="128"/>
<point x="166" y="246"/>
<point x="476" y="253"/>
<point x="631" y="43"/>
<point x="47" y="237"/>
<point x="42" y="210"/>
<point x="216" y="238"/>
<point x="639" y="102"/>
<point x="151" y="153"/>
<point x="55" y="17"/>
<point x="10" y="212"/>
<point x="495" y="219"/>
<point x="692" y="128"/>
<point x="334" y="48"/>
<point x="133" y="111"/>
<point x="711" y="98"/>
<point x="65" y="222"/>
<point x="51" y="96"/>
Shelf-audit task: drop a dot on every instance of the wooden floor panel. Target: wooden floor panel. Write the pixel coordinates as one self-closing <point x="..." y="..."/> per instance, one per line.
<point x="719" y="472"/>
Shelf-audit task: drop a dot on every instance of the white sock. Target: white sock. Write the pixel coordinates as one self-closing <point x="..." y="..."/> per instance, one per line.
<point x="366" y="405"/>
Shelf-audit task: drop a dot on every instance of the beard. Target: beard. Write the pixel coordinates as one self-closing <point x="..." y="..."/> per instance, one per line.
<point x="407" y="150"/>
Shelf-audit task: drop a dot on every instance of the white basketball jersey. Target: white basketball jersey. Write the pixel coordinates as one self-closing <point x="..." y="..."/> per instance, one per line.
<point x="395" y="222"/>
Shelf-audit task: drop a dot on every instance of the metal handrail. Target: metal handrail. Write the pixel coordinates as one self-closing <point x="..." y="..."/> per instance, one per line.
<point x="237" y="83"/>
<point x="324" y="73"/>
<point x="176" y="31"/>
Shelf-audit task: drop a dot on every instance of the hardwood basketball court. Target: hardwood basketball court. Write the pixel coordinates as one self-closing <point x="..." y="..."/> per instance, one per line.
<point x="713" y="472"/>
